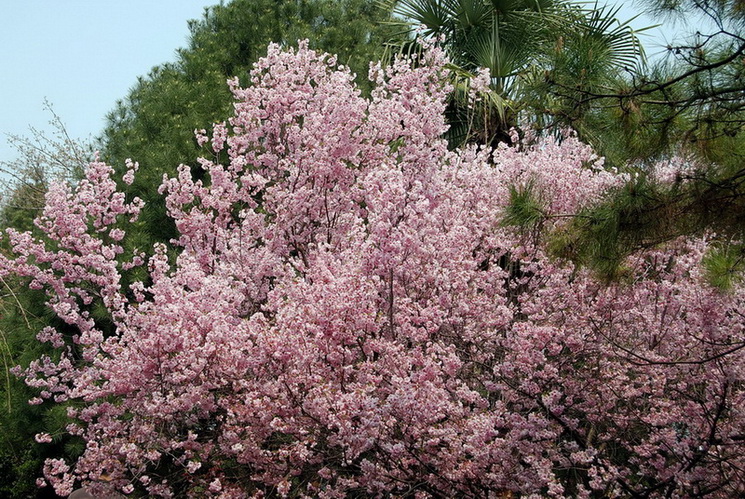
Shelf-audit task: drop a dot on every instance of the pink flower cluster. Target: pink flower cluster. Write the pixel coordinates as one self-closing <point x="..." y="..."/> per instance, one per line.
<point x="348" y="317"/>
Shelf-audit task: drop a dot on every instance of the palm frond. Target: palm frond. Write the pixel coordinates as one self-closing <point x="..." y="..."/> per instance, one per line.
<point x="600" y="24"/>
<point x="435" y="15"/>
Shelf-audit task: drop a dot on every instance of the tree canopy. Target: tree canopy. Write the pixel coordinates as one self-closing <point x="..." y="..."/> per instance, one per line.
<point x="358" y="311"/>
<point x="521" y="45"/>
<point x="351" y="306"/>
<point x="687" y="109"/>
<point x="154" y="124"/>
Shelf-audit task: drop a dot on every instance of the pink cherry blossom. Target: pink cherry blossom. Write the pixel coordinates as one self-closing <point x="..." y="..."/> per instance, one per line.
<point x="347" y="316"/>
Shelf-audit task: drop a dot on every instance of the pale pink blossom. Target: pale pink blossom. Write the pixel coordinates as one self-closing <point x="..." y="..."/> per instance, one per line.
<point x="43" y="438"/>
<point x="344" y="313"/>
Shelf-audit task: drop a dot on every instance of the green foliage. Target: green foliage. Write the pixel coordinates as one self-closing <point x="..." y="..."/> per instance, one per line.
<point x="689" y="105"/>
<point x="22" y="206"/>
<point x="19" y="469"/>
<point x="595" y="53"/>
<point x="524" y="209"/>
<point x="725" y="265"/>
<point x="22" y="315"/>
<point x="645" y="213"/>
<point x="529" y="48"/>
<point x="601" y="236"/>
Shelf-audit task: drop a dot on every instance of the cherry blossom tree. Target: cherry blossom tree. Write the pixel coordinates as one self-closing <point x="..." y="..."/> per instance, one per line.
<point x="350" y="314"/>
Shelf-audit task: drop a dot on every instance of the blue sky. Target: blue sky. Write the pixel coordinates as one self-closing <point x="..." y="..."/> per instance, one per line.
<point x="81" y="55"/>
<point x="84" y="55"/>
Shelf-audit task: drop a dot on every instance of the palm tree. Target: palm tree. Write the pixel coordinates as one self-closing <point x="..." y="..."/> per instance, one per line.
<point x="527" y="46"/>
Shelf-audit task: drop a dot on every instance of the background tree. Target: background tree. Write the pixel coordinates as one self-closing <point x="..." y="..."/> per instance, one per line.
<point x="156" y="122"/>
<point x="690" y="106"/>
<point x="41" y="159"/>
<point x="520" y="44"/>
